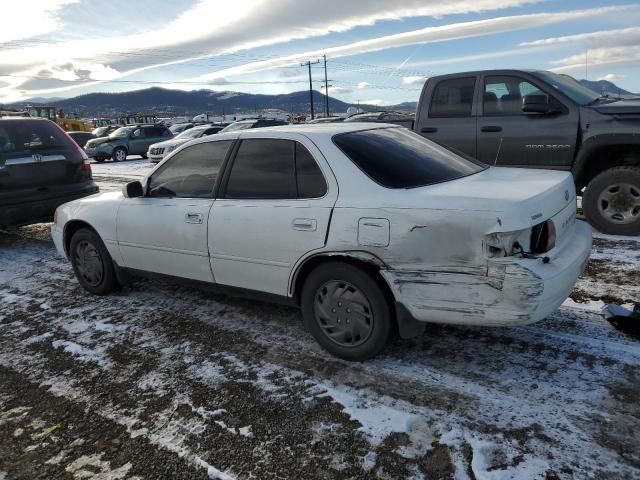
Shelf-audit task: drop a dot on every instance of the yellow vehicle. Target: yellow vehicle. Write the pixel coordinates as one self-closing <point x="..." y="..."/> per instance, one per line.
<point x="69" y="123"/>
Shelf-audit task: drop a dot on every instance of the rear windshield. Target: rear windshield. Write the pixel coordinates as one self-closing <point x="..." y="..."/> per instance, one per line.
<point x="399" y="158"/>
<point x="22" y="137"/>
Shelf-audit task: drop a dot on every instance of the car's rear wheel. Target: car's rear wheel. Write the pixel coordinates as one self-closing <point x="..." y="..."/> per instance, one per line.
<point x="92" y="263"/>
<point x="119" y="154"/>
<point x="346" y="311"/>
<point x="144" y="155"/>
<point x="611" y="201"/>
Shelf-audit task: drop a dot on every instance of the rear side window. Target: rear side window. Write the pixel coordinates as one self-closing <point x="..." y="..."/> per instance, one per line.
<point x="399" y="158"/>
<point x="263" y="168"/>
<point x="191" y="173"/>
<point x="309" y="178"/>
<point x="453" y="98"/>
<point x="275" y="169"/>
<point x="20" y="137"/>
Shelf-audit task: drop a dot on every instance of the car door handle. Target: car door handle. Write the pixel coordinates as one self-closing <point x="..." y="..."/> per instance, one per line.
<point x="491" y="128"/>
<point x="305" y="224"/>
<point x="193" y="218"/>
<point x="428" y="130"/>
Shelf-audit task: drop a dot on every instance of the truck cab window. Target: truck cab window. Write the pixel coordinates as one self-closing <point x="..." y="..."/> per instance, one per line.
<point x="503" y="95"/>
<point x="453" y="98"/>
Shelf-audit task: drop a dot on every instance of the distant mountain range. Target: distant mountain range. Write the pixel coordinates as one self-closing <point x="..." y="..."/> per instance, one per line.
<point x="166" y="103"/>
<point x="604" y="87"/>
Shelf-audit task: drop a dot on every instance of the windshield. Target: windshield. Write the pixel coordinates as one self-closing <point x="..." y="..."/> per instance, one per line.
<point x="399" y="158"/>
<point x="122" y="132"/>
<point x="191" y="133"/>
<point x="236" y="126"/>
<point x="569" y="86"/>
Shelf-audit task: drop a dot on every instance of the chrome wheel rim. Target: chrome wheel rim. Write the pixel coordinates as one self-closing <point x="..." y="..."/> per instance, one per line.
<point x="343" y="313"/>
<point x="89" y="263"/>
<point x="620" y="203"/>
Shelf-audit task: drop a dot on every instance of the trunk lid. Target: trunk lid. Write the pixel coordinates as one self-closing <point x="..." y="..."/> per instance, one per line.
<point x="37" y="154"/>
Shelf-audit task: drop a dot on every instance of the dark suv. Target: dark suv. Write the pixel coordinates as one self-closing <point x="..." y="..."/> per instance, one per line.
<point x="41" y="167"/>
<point x="129" y="140"/>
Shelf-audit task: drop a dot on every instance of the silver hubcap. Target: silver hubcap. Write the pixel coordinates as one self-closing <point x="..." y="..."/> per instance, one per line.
<point x="120" y="155"/>
<point x="343" y="313"/>
<point x="620" y="203"/>
<point x="89" y="263"/>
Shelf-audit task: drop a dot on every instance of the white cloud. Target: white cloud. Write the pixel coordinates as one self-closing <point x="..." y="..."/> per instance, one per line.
<point x="620" y="36"/>
<point x="618" y="55"/>
<point x="22" y="19"/>
<point x="362" y="85"/>
<point x="338" y="90"/>
<point x="422" y="36"/>
<point x="414" y="80"/>
<point x="611" y="77"/>
<point x="214" y="27"/>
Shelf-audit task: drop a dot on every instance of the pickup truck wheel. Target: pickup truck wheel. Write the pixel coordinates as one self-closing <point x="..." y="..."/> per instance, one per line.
<point x="92" y="263"/>
<point x="119" y="155"/>
<point x="346" y="311"/>
<point x="611" y="201"/>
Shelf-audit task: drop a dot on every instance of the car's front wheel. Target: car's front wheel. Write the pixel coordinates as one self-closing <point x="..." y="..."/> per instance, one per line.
<point x="611" y="201"/>
<point x="119" y="154"/>
<point x="92" y="263"/>
<point x="346" y="311"/>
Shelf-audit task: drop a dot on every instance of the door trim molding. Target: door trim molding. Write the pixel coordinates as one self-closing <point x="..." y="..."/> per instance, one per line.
<point x="163" y="249"/>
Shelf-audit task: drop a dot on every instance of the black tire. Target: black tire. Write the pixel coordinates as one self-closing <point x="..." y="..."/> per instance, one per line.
<point x="92" y="263"/>
<point x="352" y="285"/>
<point x="611" y="201"/>
<point x="119" y="154"/>
<point x="99" y="160"/>
<point x="144" y="155"/>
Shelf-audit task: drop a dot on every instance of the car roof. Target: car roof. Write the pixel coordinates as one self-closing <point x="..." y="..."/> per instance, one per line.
<point x="318" y="129"/>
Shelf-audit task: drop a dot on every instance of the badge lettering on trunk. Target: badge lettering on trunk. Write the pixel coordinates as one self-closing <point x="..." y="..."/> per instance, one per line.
<point x="36" y="157"/>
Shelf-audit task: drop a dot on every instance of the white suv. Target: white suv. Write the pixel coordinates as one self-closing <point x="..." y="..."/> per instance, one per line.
<point x="365" y="226"/>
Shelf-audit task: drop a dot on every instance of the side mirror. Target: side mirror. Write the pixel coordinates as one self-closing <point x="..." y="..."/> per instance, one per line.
<point x="133" y="190"/>
<point x="535" y="104"/>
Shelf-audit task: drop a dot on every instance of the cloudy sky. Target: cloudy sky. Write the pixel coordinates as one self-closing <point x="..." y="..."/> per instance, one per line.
<point x="378" y="51"/>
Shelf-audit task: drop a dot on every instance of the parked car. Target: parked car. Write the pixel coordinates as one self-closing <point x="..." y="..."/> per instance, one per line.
<point x="81" y="138"/>
<point x="253" y="123"/>
<point x="528" y="118"/>
<point x="364" y="226"/>
<point x="157" y="151"/>
<point x="396" y="118"/>
<point x="180" y="127"/>
<point x="104" y="131"/>
<point x="40" y="168"/>
<point x="131" y="140"/>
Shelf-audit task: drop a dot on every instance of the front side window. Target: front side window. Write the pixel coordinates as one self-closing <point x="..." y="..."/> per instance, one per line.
<point x="399" y="158"/>
<point x="137" y="133"/>
<point x="192" y="173"/>
<point x="453" y="98"/>
<point x="569" y="86"/>
<point x="503" y="95"/>
<point x="263" y="168"/>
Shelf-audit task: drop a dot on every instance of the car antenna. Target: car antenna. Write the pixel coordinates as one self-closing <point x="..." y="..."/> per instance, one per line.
<point x="498" y="154"/>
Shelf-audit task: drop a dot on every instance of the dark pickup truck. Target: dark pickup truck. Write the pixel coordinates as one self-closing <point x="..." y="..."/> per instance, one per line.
<point x="540" y="119"/>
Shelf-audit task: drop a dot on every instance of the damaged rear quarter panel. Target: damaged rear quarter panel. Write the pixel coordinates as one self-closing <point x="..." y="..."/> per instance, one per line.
<point x="436" y="266"/>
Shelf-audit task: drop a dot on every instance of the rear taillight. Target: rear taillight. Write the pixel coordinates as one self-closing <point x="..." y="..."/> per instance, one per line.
<point x="543" y="237"/>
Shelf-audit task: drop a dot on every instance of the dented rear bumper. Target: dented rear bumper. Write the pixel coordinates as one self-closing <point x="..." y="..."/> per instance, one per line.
<point x="510" y="291"/>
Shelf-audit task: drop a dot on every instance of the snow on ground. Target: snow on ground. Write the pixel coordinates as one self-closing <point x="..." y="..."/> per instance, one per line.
<point x="159" y="381"/>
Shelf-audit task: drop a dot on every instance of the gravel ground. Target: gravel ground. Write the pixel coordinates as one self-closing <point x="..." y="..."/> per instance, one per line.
<point x="159" y="381"/>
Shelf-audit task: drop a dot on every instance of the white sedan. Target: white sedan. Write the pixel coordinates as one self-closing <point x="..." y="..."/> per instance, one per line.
<point x="368" y="227"/>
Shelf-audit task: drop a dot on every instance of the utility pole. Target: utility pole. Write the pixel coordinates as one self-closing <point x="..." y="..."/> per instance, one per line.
<point x="326" y="88"/>
<point x="308" y="64"/>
